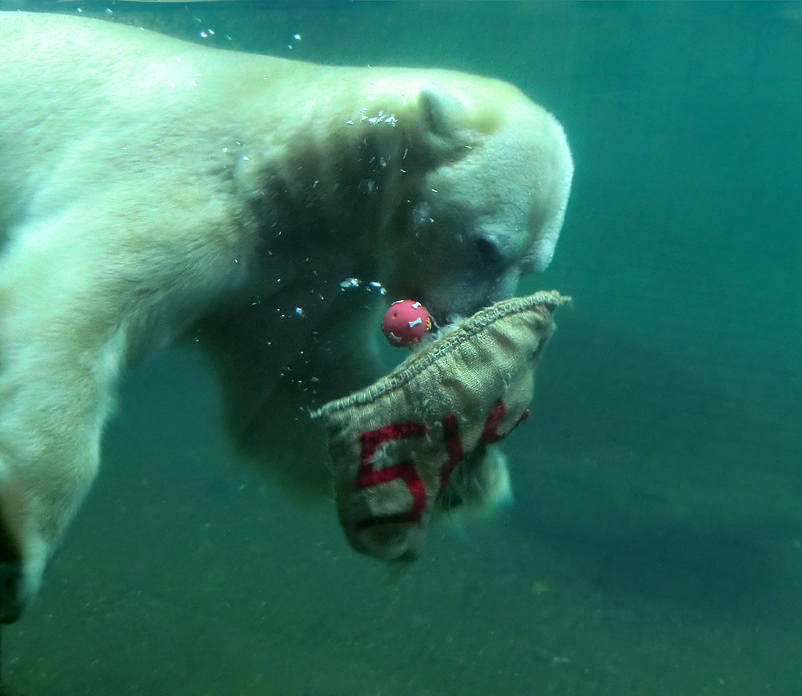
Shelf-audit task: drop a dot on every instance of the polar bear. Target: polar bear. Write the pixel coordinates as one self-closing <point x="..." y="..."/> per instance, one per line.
<point x="153" y="191"/>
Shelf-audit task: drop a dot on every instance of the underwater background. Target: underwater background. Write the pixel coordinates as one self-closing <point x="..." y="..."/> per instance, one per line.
<point x="655" y="543"/>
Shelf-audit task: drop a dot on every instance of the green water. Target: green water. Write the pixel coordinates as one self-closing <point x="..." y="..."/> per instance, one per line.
<point x="655" y="544"/>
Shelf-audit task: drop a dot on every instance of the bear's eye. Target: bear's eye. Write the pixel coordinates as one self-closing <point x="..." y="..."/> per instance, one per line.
<point x="488" y="251"/>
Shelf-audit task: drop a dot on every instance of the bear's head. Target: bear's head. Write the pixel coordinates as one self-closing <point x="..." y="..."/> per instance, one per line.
<point x="445" y="188"/>
<point x="489" y="206"/>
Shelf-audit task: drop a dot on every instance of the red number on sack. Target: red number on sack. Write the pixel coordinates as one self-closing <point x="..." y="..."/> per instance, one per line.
<point x="405" y="470"/>
<point x="369" y="477"/>
<point x="497" y="413"/>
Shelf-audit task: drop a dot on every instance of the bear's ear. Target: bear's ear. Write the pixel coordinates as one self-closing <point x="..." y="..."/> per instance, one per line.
<point x="442" y="112"/>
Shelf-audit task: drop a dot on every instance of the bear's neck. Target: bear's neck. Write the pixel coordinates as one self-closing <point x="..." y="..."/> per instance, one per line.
<point x="342" y="192"/>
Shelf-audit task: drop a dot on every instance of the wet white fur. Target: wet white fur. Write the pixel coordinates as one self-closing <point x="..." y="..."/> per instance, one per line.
<point x="134" y="204"/>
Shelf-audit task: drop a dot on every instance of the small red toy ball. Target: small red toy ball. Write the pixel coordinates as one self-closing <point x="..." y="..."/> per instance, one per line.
<point x="406" y="322"/>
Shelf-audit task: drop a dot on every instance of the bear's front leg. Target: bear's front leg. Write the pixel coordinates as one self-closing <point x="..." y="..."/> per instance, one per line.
<point x="78" y="294"/>
<point x="57" y="375"/>
<point x="274" y="372"/>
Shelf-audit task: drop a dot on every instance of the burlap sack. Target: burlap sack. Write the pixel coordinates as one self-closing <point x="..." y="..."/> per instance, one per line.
<point x="395" y="444"/>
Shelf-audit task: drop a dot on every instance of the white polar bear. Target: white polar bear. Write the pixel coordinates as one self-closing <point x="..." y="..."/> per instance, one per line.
<point x="153" y="190"/>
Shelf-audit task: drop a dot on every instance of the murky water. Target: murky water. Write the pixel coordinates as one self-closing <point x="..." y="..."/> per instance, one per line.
<point x="655" y="545"/>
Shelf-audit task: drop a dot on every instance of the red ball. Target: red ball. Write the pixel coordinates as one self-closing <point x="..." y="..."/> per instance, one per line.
<point x="406" y="322"/>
